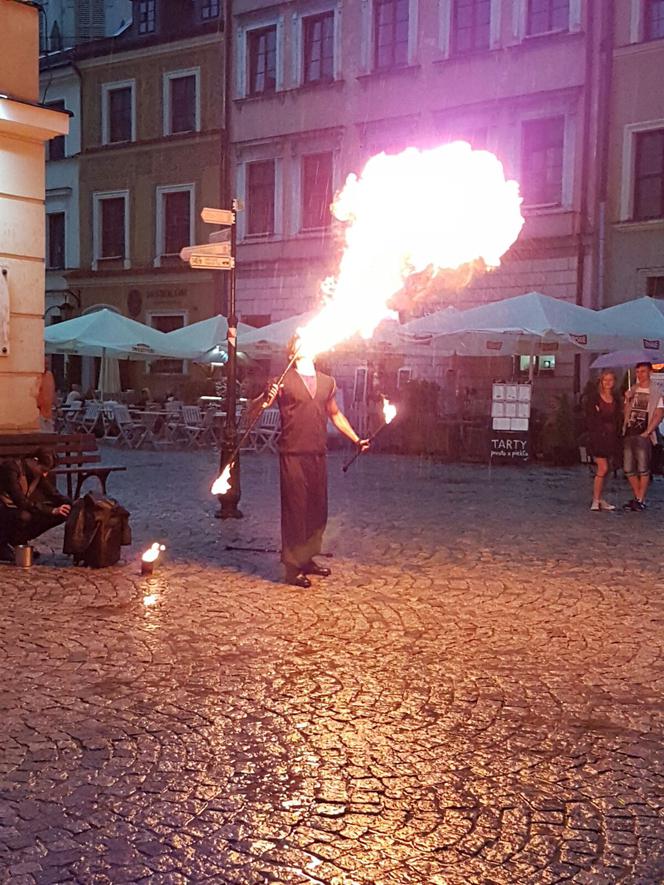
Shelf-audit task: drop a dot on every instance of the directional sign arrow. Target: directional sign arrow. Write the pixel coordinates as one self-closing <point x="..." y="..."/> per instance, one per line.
<point x="218" y="249"/>
<point x="212" y="262"/>
<point x="218" y="216"/>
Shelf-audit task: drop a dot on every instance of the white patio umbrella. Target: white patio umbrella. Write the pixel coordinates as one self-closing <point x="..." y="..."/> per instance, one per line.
<point x="641" y="319"/>
<point x="109" y="376"/>
<point x="387" y="338"/>
<point x="207" y="338"/>
<point x="273" y="339"/>
<point x="525" y="324"/>
<point x="105" y="333"/>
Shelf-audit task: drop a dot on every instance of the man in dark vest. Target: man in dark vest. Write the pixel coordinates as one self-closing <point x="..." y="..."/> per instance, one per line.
<point x="306" y="399"/>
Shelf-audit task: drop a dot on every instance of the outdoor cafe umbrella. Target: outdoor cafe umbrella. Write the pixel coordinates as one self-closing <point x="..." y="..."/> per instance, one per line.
<point x="642" y="319"/>
<point x="105" y="333"/>
<point x="525" y="324"/>
<point x="273" y="339"/>
<point x="207" y="338"/>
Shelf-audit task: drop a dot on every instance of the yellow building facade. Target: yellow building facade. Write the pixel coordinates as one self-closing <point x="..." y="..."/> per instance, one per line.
<point x="25" y="127"/>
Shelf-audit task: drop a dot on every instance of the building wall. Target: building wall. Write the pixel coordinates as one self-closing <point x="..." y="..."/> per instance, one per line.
<point x="634" y="249"/>
<point x="24" y="128"/>
<point x="436" y="97"/>
<point x="146" y="283"/>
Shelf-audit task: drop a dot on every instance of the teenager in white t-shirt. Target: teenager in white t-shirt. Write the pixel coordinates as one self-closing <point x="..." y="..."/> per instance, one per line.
<point x="644" y="409"/>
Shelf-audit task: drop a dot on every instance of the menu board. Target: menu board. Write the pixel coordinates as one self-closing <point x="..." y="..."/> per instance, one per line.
<point x="510" y="419"/>
<point x="510" y="406"/>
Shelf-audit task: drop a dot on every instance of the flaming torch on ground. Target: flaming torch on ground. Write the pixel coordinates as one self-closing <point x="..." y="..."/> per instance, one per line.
<point x="415" y="213"/>
<point x="389" y="414"/>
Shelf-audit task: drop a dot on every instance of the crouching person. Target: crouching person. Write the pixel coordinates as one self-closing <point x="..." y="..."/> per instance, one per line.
<point x="29" y="502"/>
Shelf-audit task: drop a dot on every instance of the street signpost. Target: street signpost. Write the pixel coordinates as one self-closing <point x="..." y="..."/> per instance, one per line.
<point x="219" y="254"/>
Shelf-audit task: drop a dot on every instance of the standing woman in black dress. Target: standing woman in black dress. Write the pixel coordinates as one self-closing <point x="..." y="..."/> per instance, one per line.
<point x="604" y="419"/>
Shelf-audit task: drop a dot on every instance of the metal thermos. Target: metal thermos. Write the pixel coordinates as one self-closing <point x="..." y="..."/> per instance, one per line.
<point x="23" y="555"/>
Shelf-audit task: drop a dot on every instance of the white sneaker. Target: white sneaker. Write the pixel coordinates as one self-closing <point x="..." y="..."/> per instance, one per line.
<point x="604" y="505"/>
<point x="595" y="506"/>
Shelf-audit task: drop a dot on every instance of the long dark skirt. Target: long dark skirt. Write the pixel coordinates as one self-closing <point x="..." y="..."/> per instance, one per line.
<point x="303" y="507"/>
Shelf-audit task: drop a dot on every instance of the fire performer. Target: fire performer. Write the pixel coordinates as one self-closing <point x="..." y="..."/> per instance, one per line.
<point x="306" y="399"/>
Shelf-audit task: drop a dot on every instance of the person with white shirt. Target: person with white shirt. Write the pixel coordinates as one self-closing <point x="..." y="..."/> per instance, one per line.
<point x="644" y="410"/>
<point x="306" y="399"/>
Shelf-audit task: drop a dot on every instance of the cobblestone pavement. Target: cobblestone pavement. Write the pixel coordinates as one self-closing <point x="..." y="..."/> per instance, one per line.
<point x="474" y="696"/>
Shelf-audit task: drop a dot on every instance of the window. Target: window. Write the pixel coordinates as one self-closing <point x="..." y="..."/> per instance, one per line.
<point x="167" y="322"/>
<point x="318" y="48"/>
<point x="655" y="287"/>
<point x="649" y="175"/>
<point x="174" y="223"/>
<point x="316" y="191"/>
<point x="181" y="102"/>
<point x="262" y="49"/>
<point x="55" y="240"/>
<point x="654" y="24"/>
<point x="56" y="146"/>
<point x="110" y="232"/>
<point x="390" y="33"/>
<point x="544" y="364"/>
<point x="209" y="9"/>
<point x="471" y="25"/>
<point x="542" y="161"/>
<point x="118" y="112"/>
<point x="547" y="15"/>
<point x="147" y="16"/>
<point x="260" y="197"/>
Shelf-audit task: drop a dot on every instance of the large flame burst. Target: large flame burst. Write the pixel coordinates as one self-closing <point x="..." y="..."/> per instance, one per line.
<point x="419" y="212"/>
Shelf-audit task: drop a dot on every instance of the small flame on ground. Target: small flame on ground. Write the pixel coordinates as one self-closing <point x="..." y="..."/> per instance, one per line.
<point x="222" y="483"/>
<point x="389" y="411"/>
<point x="152" y="554"/>
<point x="417" y="211"/>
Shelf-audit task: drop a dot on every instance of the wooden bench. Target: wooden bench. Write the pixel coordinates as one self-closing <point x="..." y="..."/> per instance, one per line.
<point x="76" y="454"/>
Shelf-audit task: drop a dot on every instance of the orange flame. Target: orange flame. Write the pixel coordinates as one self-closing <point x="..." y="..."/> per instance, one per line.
<point x="438" y="210"/>
<point x="152" y="553"/>
<point x="222" y="484"/>
<point x="389" y="411"/>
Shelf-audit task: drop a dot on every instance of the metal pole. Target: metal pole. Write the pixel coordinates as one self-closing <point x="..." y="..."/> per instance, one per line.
<point x="228" y="508"/>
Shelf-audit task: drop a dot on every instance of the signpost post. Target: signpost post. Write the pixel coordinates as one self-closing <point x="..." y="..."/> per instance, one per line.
<point x="219" y="254"/>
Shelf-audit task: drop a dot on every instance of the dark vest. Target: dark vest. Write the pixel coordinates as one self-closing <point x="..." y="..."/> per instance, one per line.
<point x="303" y="417"/>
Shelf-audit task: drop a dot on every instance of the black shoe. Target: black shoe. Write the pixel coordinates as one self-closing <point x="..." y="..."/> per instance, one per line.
<point x="6" y="553"/>
<point x="633" y="504"/>
<point x="312" y="568"/>
<point x="299" y="580"/>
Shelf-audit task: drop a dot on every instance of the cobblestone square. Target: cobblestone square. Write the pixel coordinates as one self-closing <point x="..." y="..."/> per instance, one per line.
<point x="474" y="696"/>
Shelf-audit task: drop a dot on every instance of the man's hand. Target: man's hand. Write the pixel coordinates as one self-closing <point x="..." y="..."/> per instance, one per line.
<point x="62" y="510"/>
<point x="363" y="444"/>
<point x="272" y="393"/>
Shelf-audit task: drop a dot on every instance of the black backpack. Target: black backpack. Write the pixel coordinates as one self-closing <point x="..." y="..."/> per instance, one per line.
<point x="96" y="530"/>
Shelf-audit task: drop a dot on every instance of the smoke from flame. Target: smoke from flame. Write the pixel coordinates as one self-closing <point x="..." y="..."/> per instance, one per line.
<point x="433" y="211"/>
<point x="222" y="484"/>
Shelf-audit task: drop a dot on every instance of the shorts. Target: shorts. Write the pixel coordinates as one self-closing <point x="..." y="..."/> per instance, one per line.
<point x="637" y="454"/>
